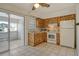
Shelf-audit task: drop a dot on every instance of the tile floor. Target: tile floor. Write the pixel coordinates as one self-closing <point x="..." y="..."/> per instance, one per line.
<point x="44" y="49"/>
<point x="13" y="44"/>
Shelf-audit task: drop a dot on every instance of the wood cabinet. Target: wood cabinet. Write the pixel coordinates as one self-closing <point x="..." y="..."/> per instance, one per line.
<point x="67" y="17"/>
<point x="39" y="23"/>
<point x="58" y="38"/>
<point x="44" y="36"/>
<point x="42" y="23"/>
<point x="46" y="21"/>
<point x="31" y="39"/>
<point x="37" y="38"/>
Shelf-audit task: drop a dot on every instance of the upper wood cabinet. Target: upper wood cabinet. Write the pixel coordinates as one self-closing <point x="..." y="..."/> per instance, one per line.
<point x="68" y="17"/>
<point x="39" y="23"/>
<point x="52" y="20"/>
<point x="46" y="21"/>
<point x="42" y="23"/>
<point x="49" y="20"/>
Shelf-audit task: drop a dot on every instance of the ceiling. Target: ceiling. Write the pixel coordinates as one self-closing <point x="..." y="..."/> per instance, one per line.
<point x="42" y="12"/>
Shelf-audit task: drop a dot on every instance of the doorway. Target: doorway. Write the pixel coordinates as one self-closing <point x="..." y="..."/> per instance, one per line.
<point x="11" y="31"/>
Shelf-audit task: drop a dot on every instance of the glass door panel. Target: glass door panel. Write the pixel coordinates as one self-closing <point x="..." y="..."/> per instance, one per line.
<point x="13" y="32"/>
<point x="4" y="40"/>
<point x="21" y="31"/>
<point x="16" y="31"/>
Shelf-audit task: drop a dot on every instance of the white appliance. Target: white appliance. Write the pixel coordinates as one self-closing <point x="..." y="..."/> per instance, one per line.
<point x="77" y="37"/>
<point x="51" y="37"/>
<point x="67" y="36"/>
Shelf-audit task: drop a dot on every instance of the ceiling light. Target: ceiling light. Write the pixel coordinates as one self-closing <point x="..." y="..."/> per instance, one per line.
<point x="36" y="5"/>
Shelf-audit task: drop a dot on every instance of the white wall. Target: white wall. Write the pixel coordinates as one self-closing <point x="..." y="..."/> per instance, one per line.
<point x="26" y="29"/>
<point x="77" y="30"/>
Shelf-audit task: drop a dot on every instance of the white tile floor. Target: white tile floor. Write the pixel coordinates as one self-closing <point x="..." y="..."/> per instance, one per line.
<point x="44" y="49"/>
<point x="13" y="44"/>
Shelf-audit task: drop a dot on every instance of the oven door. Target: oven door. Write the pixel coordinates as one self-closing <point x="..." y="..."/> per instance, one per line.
<point x="51" y="37"/>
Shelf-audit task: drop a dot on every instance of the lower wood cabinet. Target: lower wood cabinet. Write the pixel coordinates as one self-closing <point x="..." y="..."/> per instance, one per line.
<point x="31" y="39"/>
<point x="36" y="38"/>
<point x="58" y="38"/>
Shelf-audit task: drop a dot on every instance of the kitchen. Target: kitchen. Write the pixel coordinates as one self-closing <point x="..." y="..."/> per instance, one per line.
<point x="47" y="31"/>
<point x="57" y="30"/>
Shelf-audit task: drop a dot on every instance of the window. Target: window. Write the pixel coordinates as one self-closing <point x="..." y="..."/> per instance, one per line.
<point x="3" y="22"/>
<point x="3" y="26"/>
<point x="3" y="14"/>
<point x="13" y="27"/>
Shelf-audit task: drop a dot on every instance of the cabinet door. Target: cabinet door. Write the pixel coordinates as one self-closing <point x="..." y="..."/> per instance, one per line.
<point x="44" y="37"/>
<point x="39" y="23"/>
<point x="46" y="21"/>
<point x="41" y="37"/>
<point x="36" y="39"/>
<point x="31" y="39"/>
<point x="58" y="38"/>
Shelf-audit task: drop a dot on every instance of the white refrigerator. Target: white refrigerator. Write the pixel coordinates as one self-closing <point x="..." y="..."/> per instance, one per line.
<point x="67" y="34"/>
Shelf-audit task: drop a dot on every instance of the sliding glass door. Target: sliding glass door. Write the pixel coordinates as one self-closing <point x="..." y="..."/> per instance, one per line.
<point x="4" y="38"/>
<point x="11" y="31"/>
